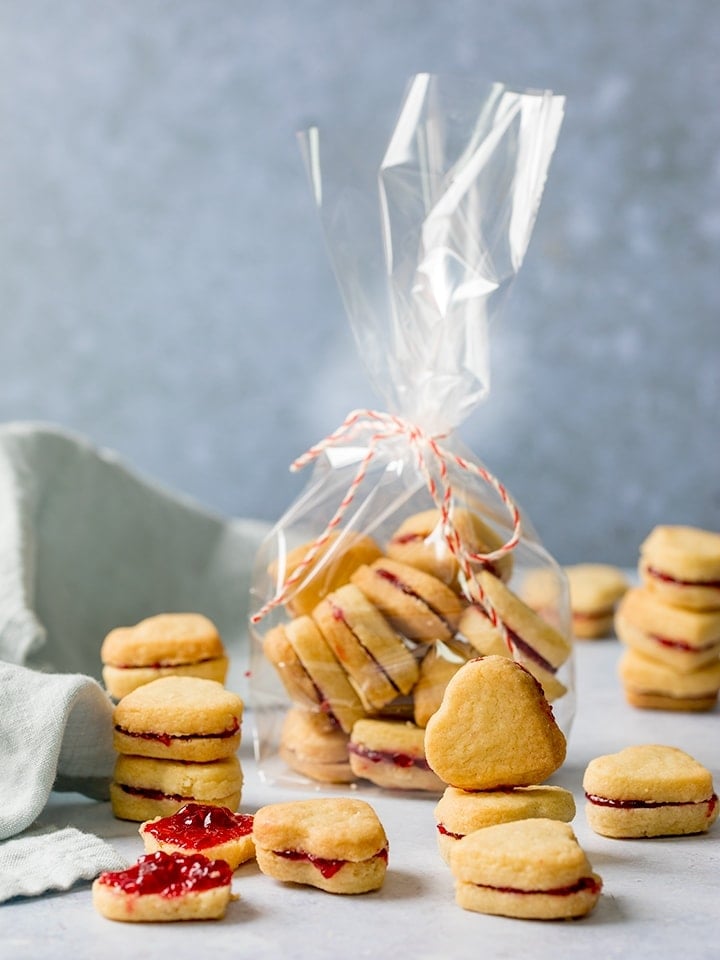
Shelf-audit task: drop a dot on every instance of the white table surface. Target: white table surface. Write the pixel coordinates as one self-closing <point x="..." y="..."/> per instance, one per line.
<point x="661" y="897"/>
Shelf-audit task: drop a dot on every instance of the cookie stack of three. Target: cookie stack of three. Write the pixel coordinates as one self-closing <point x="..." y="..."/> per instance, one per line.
<point x="504" y="834"/>
<point x="494" y="741"/>
<point x="177" y="740"/>
<point x="670" y="625"/>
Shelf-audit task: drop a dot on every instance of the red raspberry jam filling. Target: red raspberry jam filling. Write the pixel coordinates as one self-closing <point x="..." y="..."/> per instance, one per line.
<point x="408" y="591"/>
<point x="528" y="651"/>
<point x="322" y="700"/>
<point x="158" y="665"/>
<point x="167" y="738"/>
<point x="388" y="756"/>
<point x="659" y="575"/>
<point x="681" y="644"/>
<point x="328" y="868"/>
<point x="517" y="643"/>
<point x="649" y="804"/>
<point x="150" y="794"/>
<point x="338" y="614"/>
<point x="169" y="875"/>
<point x="589" y="884"/>
<point x="448" y="833"/>
<point x="404" y="538"/>
<point x="200" y="825"/>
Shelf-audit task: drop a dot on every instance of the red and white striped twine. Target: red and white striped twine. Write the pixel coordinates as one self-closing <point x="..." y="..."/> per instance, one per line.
<point x="387" y="427"/>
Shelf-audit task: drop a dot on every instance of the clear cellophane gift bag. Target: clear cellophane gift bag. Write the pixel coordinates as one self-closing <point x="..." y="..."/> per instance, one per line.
<point x="404" y="556"/>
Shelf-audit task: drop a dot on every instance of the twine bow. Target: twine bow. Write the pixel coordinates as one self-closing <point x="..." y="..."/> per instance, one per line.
<point x="428" y="453"/>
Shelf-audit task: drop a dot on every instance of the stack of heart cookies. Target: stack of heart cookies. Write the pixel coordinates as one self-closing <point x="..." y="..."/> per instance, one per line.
<point x="494" y="741"/>
<point x="671" y="623"/>
<point x="374" y="637"/>
<point x="177" y="740"/>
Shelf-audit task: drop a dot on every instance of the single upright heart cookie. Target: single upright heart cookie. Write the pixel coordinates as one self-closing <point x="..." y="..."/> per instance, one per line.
<point x="494" y="729"/>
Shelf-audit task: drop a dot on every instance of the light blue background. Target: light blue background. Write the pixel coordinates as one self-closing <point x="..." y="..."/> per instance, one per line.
<point x="164" y="287"/>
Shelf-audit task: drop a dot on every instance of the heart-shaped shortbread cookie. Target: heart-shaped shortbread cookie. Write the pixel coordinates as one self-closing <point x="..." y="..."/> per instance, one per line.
<point x="527" y="868"/>
<point x="649" y="790"/>
<point x="494" y="729"/>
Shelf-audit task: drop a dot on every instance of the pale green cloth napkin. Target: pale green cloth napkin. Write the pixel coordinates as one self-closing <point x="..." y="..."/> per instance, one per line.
<point x="87" y="545"/>
<point x="52" y="859"/>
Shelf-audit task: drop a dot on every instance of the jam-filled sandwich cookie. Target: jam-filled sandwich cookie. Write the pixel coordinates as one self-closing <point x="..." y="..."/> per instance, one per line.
<point x="331" y="567"/>
<point x="311" y="743"/>
<point x="494" y="729"/>
<point x="649" y="791"/>
<point x="335" y="844"/>
<point x="420" y="542"/>
<point x="460" y="812"/>
<point x="421" y="607"/>
<point x="595" y="589"/>
<point x="528" y="869"/>
<point x="650" y="684"/>
<point x="144" y="787"/>
<point x="391" y="754"/>
<point x="164" y="887"/>
<point x="684" y="640"/>
<point x="682" y="565"/>
<point x="183" y="644"/>
<point x="215" y="832"/>
<point x="179" y="718"/>
<point x="310" y="671"/>
<point x="535" y="643"/>
<point x="371" y="651"/>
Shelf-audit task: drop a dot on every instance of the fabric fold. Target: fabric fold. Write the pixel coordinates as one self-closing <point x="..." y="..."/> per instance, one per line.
<point x="52" y="859"/>
<point x="51" y="724"/>
<point x="87" y="545"/>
